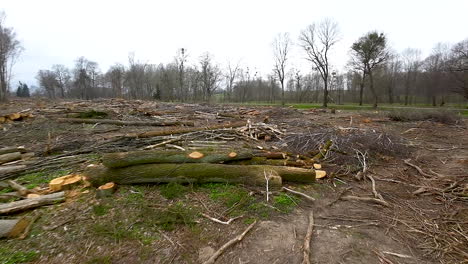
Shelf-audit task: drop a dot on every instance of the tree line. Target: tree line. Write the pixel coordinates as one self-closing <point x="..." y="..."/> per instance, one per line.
<point x="374" y="74"/>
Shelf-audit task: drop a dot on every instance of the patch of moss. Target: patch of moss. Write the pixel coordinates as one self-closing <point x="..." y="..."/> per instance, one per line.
<point x="285" y="202"/>
<point x="93" y="114"/>
<point x="100" y="209"/>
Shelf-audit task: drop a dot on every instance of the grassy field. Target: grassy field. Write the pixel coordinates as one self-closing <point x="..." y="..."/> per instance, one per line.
<point x="462" y="109"/>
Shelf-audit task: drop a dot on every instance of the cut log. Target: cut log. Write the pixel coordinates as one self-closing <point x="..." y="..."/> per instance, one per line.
<point x="66" y="182"/>
<point x="26" y="204"/>
<point x="319" y="174"/>
<point x="11" y="169"/>
<point x="2" y="119"/>
<point x="196" y="155"/>
<point x="197" y="173"/>
<point x="265" y="161"/>
<point x="33" y="195"/>
<point x="184" y="130"/>
<point x="124" y="159"/>
<point x="317" y="166"/>
<point x="272" y="155"/>
<point x="4" y="158"/>
<point x="232" y="155"/>
<point x="125" y="123"/>
<point x="14" y="116"/>
<point x="106" y="190"/>
<point x="12" y="228"/>
<point x="12" y="149"/>
<point x="23" y="191"/>
<point x="5" y="197"/>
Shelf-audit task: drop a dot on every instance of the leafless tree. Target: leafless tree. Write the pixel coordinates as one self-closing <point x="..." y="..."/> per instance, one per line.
<point x="115" y="76"/>
<point x="281" y="48"/>
<point x="63" y="77"/>
<point x="48" y="82"/>
<point x="180" y="60"/>
<point x="231" y="76"/>
<point x="317" y="40"/>
<point x="10" y="49"/>
<point x="210" y="76"/>
<point x="412" y="65"/>
<point x="135" y="77"/>
<point x="458" y="66"/>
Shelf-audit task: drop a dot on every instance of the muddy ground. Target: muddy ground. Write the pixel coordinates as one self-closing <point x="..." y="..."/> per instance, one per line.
<point x="163" y="223"/>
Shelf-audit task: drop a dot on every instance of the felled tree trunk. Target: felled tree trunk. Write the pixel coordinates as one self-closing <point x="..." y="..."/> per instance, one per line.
<point x="125" y="123"/>
<point x="184" y="130"/>
<point x="10" y="169"/>
<point x="124" y="159"/>
<point x="26" y="204"/>
<point x="4" y="158"/>
<point x="10" y="228"/>
<point x="12" y="149"/>
<point x="197" y="173"/>
<point x="266" y="161"/>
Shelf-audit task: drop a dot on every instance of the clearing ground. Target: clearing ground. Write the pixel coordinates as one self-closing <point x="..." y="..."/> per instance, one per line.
<point x="420" y="170"/>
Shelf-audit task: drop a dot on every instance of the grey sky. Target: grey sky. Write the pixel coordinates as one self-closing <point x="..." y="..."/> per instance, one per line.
<point x="57" y="32"/>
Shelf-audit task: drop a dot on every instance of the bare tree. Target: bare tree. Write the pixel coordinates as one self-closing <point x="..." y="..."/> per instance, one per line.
<point x="63" y="77"/>
<point x="115" y="76"/>
<point x="180" y="60"/>
<point x="10" y="49"/>
<point x="368" y="53"/>
<point x="231" y="76"/>
<point x="411" y="64"/>
<point x="48" y="81"/>
<point x="281" y="47"/>
<point x="317" y="40"/>
<point x="458" y="66"/>
<point x="210" y="76"/>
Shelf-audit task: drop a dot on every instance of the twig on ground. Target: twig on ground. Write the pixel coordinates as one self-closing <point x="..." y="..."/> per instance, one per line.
<point x="308" y="237"/>
<point x="407" y="162"/>
<point x="339" y="196"/>
<point x="28" y="228"/>
<point x="231" y="242"/>
<point x="219" y="221"/>
<point x="374" y="190"/>
<point x="365" y="199"/>
<point x="299" y="193"/>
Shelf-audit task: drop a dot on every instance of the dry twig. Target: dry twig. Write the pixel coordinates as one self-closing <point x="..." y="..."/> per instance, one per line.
<point x="308" y="237"/>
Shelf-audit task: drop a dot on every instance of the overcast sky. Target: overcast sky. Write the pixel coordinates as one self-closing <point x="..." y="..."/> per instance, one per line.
<point x="57" y="32"/>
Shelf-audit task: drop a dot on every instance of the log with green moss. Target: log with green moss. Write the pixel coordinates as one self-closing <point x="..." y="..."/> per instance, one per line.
<point x="197" y="173"/>
<point x="124" y="159"/>
<point x="323" y="151"/>
<point x="266" y="161"/>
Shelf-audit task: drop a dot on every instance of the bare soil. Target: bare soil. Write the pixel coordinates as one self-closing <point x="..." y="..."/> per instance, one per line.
<point x="430" y="227"/>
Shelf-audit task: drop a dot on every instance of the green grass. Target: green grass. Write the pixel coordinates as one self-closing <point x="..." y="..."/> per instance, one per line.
<point x="100" y="260"/>
<point x="93" y="114"/>
<point x="173" y="190"/>
<point x="100" y="209"/>
<point x="8" y="256"/>
<point x="33" y="180"/>
<point x="284" y="202"/>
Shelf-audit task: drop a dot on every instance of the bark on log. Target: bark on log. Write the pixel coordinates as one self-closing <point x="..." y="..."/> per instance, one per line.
<point x="265" y="161"/>
<point x="197" y="173"/>
<point x="26" y="204"/>
<point x="106" y="190"/>
<point x="6" y="150"/>
<point x="4" y="158"/>
<point x="125" y="123"/>
<point x="124" y="159"/>
<point x="11" y="228"/>
<point x="23" y="191"/>
<point x="184" y="130"/>
<point x="10" y="169"/>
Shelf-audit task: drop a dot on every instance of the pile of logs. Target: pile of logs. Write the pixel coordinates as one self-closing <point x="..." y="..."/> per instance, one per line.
<point x="10" y="158"/>
<point x="158" y="166"/>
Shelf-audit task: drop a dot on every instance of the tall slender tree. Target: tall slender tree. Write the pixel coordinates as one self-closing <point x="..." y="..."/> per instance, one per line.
<point x="281" y="47"/>
<point x="317" y="40"/>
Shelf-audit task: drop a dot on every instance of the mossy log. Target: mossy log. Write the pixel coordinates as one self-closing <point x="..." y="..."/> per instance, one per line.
<point x="323" y="151"/>
<point x="197" y="173"/>
<point x="124" y="159"/>
<point x="125" y="123"/>
<point x="266" y="161"/>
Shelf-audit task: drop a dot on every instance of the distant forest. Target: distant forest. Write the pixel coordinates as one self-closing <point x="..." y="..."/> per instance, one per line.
<point x="374" y="74"/>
